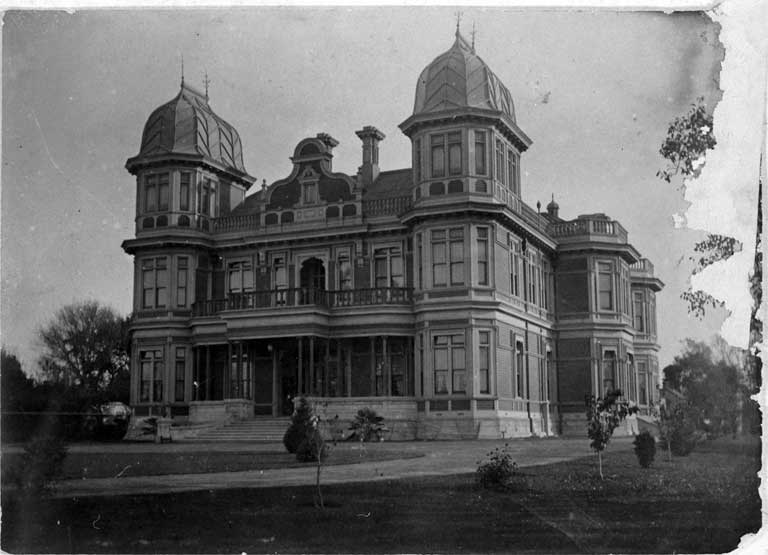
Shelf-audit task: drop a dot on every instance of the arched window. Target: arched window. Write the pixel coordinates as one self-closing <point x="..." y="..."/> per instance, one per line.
<point x="455" y="186"/>
<point x="286" y="218"/>
<point x="148" y="223"/>
<point x="270" y="219"/>
<point x="481" y="186"/>
<point x="332" y="212"/>
<point x="183" y="221"/>
<point x="349" y="210"/>
<point x="437" y="188"/>
<point x="162" y="221"/>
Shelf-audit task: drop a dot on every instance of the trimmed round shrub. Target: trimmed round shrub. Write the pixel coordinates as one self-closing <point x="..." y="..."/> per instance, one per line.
<point x="645" y="449"/>
<point x="311" y="446"/>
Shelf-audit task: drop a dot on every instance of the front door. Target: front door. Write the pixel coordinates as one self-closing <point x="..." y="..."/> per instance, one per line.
<point x="311" y="280"/>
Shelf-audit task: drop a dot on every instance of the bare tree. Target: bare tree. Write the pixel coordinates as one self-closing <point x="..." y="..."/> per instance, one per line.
<point x="84" y="346"/>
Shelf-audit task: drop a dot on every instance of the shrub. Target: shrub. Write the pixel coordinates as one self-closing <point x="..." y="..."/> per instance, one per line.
<point x="41" y="463"/>
<point x="498" y="469"/>
<point x="645" y="449"/>
<point x="300" y="426"/>
<point x="312" y="446"/>
<point x="367" y="426"/>
<point x="678" y="431"/>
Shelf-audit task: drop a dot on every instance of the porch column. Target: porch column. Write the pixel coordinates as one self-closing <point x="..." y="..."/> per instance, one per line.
<point x="229" y="388"/>
<point x="339" y="369"/>
<point x="275" y="391"/>
<point x="373" y="366"/>
<point x="312" y="377"/>
<point x="387" y="370"/>
<point x="326" y="380"/>
<point x="301" y="368"/>
<point x="240" y="388"/>
<point x="207" y="372"/>
<point x="196" y="373"/>
<point x="348" y="370"/>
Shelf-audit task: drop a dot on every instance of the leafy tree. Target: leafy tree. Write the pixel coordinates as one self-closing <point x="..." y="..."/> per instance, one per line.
<point x="603" y="416"/>
<point x="16" y="388"/>
<point x="714" y="380"/>
<point x="85" y="348"/>
<point x="685" y="146"/>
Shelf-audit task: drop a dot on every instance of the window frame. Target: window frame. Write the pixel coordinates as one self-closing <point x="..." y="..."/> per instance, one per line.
<point x="180" y="374"/>
<point x="389" y="252"/>
<point x="182" y="281"/>
<point x="483" y="256"/>
<point x="454" y="350"/>
<point x="154" y="357"/>
<point x="452" y="265"/>
<point x="151" y="267"/>
<point x="343" y="256"/>
<point x="484" y="371"/>
<point x="481" y="152"/>
<point x="601" y="272"/>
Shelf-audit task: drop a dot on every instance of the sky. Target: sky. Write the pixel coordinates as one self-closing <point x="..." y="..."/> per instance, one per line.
<point x="595" y="91"/>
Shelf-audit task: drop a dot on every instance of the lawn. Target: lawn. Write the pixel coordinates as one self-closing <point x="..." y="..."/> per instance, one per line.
<point x="110" y="464"/>
<point x="700" y="503"/>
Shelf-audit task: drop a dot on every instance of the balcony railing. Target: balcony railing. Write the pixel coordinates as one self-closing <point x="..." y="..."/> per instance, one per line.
<point x="304" y="296"/>
<point x="643" y="265"/>
<point x="393" y="206"/>
<point x="589" y="226"/>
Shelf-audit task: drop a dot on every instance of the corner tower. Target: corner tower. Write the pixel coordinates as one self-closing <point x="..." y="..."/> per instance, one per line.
<point x="463" y="131"/>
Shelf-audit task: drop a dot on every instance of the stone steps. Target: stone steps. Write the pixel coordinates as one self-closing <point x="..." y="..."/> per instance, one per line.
<point x="251" y="430"/>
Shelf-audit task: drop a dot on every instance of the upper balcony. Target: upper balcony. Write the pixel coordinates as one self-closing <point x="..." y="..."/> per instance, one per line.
<point x="591" y="227"/>
<point x="304" y="296"/>
<point x="642" y="266"/>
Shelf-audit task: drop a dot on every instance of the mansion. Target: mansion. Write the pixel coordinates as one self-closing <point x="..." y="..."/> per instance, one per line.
<point x="432" y="294"/>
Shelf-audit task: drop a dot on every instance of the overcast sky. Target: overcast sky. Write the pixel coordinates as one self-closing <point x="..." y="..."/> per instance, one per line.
<point x="595" y="91"/>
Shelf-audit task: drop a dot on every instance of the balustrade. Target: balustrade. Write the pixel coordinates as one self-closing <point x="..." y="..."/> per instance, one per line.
<point x="588" y="226"/>
<point x="304" y="296"/>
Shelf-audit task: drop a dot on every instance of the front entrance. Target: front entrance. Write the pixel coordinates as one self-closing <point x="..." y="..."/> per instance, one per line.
<point x="312" y="280"/>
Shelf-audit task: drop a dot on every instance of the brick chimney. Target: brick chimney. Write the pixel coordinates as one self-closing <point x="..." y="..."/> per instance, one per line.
<point x="369" y="171"/>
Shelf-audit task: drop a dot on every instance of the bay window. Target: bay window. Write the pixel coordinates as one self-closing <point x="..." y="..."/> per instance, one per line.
<point x="182" y="270"/>
<point x="152" y="368"/>
<point x="154" y="278"/>
<point x="447" y="257"/>
<point x="500" y="175"/>
<point x="450" y="366"/>
<point x="484" y="348"/>
<point x="481" y="166"/>
<point x="605" y="286"/>
<point x="482" y="255"/>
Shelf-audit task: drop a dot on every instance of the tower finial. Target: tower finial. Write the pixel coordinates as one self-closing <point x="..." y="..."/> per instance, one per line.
<point x="182" y="70"/>
<point x="473" y="37"/>
<point x="458" y="22"/>
<point x="207" y="82"/>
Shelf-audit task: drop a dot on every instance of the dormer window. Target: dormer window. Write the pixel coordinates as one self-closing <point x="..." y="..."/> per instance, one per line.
<point x="309" y="193"/>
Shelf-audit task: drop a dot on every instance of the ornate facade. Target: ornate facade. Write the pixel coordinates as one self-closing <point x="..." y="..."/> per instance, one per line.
<point x="432" y="294"/>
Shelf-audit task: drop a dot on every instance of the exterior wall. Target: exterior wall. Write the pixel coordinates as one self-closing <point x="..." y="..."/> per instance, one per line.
<point x="469" y="270"/>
